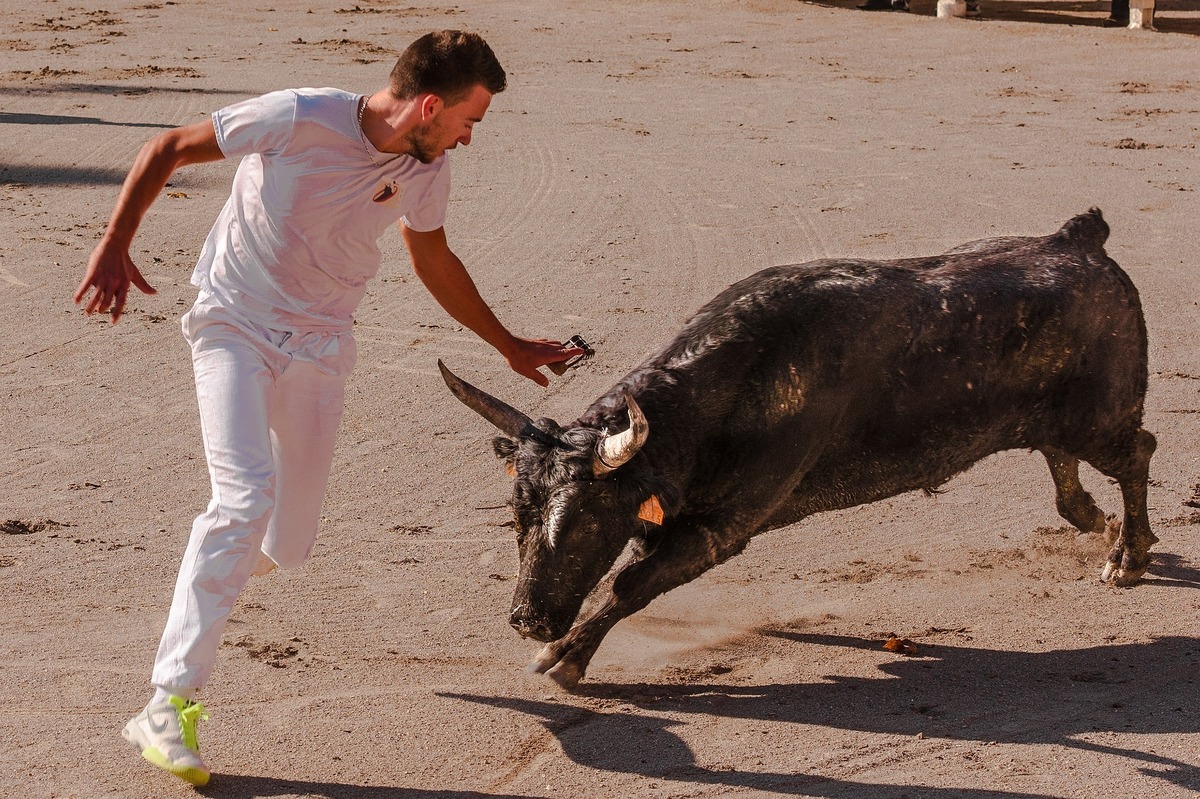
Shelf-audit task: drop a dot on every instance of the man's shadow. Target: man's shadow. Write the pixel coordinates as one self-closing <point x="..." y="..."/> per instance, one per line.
<point x="956" y="693"/>
<point x="235" y="786"/>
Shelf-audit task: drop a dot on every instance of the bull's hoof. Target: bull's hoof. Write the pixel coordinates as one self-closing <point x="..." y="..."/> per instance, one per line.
<point x="550" y="662"/>
<point x="1124" y="568"/>
<point x="1129" y="558"/>
<point x="1121" y="576"/>
<point x="546" y="659"/>
<point x="567" y="675"/>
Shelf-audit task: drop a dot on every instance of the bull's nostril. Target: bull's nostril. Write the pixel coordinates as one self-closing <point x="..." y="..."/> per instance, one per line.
<point x="529" y="628"/>
<point x="519" y="623"/>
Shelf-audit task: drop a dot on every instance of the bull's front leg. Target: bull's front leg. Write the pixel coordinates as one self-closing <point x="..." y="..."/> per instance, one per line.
<point x="685" y="552"/>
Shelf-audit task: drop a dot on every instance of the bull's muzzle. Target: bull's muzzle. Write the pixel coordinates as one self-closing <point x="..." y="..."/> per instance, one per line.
<point x="528" y="625"/>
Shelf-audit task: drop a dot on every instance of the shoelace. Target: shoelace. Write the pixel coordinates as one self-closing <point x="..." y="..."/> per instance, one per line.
<point x="189" y="714"/>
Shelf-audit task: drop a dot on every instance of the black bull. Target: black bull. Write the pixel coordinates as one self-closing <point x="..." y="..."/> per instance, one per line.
<point x="821" y="386"/>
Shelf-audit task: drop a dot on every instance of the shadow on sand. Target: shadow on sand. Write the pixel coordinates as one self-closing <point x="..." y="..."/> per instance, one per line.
<point x="952" y="693"/>
<point x="236" y="786"/>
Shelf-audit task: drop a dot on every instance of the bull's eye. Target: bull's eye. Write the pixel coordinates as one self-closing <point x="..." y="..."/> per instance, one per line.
<point x="526" y="516"/>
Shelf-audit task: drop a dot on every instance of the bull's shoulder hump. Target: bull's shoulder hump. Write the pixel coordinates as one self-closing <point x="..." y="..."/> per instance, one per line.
<point x="1087" y="229"/>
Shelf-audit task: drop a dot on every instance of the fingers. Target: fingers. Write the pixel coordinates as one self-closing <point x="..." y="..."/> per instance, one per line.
<point x="136" y="276"/>
<point x="570" y="353"/>
<point x="93" y="302"/>
<point x="109" y="284"/>
<point x="84" y="285"/>
<point x="553" y="351"/>
<point x="118" y="304"/>
<point x="107" y="288"/>
<point x="529" y="370"/>
<point x="535" y="353"/>
<point x="102" y="299"/>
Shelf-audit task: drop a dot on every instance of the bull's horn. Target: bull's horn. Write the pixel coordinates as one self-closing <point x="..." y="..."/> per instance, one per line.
<point x="505" y="417"/>
<point x="614" y="451"/>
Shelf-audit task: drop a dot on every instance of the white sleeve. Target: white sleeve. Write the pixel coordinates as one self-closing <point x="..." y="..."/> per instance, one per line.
<point x="429" y="213"/>
<point x="258" y="125"/>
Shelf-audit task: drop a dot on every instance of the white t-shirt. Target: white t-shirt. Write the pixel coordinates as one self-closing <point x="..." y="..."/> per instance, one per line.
<point x="297" y="241"/>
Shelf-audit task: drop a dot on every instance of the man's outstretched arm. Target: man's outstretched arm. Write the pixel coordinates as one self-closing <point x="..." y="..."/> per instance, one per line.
<point x="110" y="270"/>
<point x="448" y="281"/>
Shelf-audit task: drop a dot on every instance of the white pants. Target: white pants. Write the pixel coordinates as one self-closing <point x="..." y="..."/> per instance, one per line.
<point x="270" y="405"/>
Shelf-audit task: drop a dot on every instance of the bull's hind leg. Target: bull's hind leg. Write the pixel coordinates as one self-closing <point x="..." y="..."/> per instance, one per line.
<point x="1130" y="556"/>
<point x="1074" y="503"/>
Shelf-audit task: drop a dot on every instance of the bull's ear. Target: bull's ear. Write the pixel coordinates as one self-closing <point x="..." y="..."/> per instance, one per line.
<point x="506" y="450"/>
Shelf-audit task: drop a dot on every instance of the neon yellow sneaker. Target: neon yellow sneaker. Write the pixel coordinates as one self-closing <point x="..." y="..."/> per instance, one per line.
<point x="165" y="733"/>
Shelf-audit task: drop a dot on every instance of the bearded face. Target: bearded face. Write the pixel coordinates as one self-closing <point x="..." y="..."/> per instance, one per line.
<point x="449" y="127"/>
<point x="427" y="142"/>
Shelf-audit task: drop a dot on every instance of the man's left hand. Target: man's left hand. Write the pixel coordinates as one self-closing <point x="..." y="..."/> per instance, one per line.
<point x="529" y="354"/>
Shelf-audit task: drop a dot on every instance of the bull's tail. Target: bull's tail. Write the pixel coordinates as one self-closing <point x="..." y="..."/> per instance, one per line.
<point x="1088" y="229"/>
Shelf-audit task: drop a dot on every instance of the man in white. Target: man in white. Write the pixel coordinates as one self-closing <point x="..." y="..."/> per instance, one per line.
<point x="324" y="173"/>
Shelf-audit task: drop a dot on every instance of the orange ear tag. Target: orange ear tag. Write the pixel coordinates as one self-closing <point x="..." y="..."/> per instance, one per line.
<point x="511" y="469"/>
<point x="651" y="511"/>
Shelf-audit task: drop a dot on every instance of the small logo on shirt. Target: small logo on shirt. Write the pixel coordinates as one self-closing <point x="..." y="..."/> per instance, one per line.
<point x="386" y="192"/>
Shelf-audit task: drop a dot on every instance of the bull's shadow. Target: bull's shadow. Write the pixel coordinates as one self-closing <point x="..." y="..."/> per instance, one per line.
<point x="954" y="692"/>
<point x="630" y="743"/>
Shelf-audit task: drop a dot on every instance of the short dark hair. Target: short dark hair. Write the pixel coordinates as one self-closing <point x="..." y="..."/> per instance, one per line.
<point x="449" y="64"/>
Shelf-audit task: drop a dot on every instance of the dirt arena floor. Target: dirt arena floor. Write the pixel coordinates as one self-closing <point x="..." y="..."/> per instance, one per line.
<point x="646" y="155"/>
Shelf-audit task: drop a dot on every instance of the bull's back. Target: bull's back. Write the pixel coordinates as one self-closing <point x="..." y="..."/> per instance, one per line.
<point x="898" y="375"/>
<point x="1037" y="343"/>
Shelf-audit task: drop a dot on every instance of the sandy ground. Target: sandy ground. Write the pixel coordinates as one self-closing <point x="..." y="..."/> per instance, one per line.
<point x="646" y="155"/>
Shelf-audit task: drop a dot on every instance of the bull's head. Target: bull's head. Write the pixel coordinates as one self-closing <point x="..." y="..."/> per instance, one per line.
<point x="573" y="517"/>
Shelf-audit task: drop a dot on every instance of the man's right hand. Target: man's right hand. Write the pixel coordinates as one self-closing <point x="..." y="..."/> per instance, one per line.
<point x="110" y="270"/>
